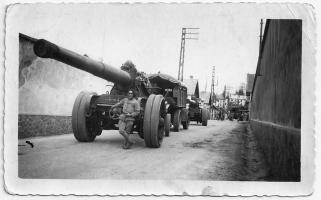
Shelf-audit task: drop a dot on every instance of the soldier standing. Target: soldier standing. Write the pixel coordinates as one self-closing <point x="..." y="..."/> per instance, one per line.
<point x="131" y="109"/>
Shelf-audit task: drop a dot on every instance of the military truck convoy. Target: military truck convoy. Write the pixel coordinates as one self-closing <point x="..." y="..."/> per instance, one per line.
<point x="162" y="98"/>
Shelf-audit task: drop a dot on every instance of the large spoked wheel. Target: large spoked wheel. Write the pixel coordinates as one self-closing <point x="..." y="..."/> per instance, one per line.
<point x="114" y="113"/>
<point x="167" y="124"/>
<point x="85" y="124"/>
<point x="177" y="120"/>
<point x="154" y="121"/>
<point x="204" y="117"/>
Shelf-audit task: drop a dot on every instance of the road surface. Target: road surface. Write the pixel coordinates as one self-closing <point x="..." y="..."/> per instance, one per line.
<point x="224" y="150"/>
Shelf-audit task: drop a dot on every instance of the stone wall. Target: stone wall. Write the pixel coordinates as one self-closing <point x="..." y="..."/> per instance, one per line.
<point x="43" y="125"/>
<point x="276" y="100"/>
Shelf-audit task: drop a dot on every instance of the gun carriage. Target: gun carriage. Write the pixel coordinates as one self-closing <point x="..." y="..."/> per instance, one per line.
<point x="92" y="113"/>
<point x="197" y="112"/>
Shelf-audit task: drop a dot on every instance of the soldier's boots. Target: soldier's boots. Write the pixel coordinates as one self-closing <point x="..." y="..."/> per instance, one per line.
<point x="127" y="144"/>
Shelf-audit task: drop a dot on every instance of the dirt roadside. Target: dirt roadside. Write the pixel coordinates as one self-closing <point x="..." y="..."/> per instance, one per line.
<point x="223" y="150"/>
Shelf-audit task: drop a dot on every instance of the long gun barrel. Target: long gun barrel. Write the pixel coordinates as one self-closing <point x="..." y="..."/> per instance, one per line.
<point x="46" y="49"/>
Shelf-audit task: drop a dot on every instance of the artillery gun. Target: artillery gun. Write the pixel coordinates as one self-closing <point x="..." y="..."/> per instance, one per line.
<point x="159" y="98"/>
<point x="197" y="112"/>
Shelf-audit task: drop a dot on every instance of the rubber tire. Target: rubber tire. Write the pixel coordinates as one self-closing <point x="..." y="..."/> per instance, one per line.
<point x="79" y="111"/>
<point x="186" y="124"/>
<point x="177" y="120"/>
<point x="153" y="134"/>
<point x="167" y="124"/>
<point x="157" y="130"/>
<point x="184" y="115"/>
<point x="147" y="118"/>
<point x="204" y="117"/>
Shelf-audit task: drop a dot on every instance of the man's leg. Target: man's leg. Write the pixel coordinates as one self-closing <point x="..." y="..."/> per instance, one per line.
<point x="122" y="131"/>
<point x="128" y="129"/>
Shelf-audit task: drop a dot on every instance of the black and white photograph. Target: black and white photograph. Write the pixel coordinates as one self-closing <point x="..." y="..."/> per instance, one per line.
<point x="156" y="98"/>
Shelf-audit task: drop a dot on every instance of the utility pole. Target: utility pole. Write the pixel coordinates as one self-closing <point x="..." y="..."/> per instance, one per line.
<point x="260" y="46"/>
<point x="261" y="27"/>
<point x="187" y="34"/>
<point x="227" y="94"/>
<point x="213" y="85"/>
<point x="213" y="98"/>
<point x="258" y="67"/>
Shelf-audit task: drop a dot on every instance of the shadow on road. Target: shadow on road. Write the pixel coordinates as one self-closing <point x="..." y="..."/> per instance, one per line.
<point x="118" y="141"/>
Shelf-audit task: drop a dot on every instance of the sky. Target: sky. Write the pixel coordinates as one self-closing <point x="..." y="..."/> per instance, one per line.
<point x="150" y="35"/>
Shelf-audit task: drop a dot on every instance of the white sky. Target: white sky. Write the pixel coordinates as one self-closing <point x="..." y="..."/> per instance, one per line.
<point x="149" y="34"/>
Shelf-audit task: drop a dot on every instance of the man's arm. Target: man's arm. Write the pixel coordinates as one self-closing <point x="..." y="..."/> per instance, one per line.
<point x="121" y="103"/>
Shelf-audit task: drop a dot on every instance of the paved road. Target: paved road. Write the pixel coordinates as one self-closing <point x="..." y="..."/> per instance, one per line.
<point x="219" y="151"/>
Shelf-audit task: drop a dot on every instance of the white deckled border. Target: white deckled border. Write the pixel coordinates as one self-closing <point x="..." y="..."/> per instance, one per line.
<point x="15" y="185"/>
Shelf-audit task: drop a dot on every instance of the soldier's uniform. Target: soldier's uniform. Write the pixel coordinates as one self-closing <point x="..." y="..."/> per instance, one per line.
<point x="130" y="106"/>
